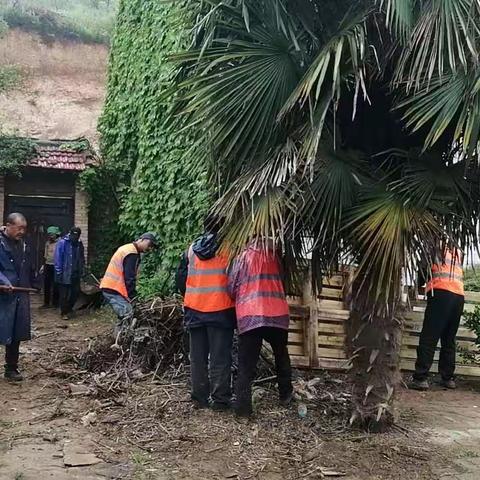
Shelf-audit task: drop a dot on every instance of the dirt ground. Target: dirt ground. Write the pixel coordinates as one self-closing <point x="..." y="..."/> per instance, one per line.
<point x="53" y="420"/>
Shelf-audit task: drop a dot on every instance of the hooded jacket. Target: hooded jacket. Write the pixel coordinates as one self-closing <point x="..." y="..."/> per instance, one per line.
<point x="205" y="248"/>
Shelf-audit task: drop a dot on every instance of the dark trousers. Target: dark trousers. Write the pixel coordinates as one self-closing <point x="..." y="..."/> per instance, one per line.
<point x="12" y="353"/>
<point x="69" y="296"/>
<point x="50" y="287"/>
<point x="211" y="364"/>
<point x="442" y="319"/>
<point x="249" y="348"/>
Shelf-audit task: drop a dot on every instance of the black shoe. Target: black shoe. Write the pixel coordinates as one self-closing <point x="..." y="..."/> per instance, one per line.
<point x="421" y="385"/>
<point x="220" y="407"/>
<point x="200" y="405"/>
<point x="13" y="375"/>
<point x="287" y="400"/>
<point x="448" y="384"/>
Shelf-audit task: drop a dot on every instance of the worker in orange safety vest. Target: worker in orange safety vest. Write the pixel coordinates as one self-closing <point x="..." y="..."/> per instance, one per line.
<point x="209" y="318"/>
<point x="118" y="285"/>
<point x="445" y="301"/>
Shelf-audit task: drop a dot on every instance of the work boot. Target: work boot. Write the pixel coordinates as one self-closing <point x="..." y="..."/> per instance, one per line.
<point x="12" y="374"/>
<point x="420" y="385"/>
<point x="449" y="384"/>
<point x="220" y="407"/>
<point x="287" y="400"/>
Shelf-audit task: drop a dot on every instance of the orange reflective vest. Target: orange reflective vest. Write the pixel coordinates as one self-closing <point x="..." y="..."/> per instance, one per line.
<point x="447" y="275"/>
<point x="207" y="280"/>
<point x="114" y="278"/>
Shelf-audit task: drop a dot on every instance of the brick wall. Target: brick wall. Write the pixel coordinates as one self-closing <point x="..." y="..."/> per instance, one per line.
<point x="81" y="214"/>
<point x="2" y="198"/>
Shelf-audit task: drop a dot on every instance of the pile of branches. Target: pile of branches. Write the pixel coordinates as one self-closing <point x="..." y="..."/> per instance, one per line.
<point x="153" y="342"/>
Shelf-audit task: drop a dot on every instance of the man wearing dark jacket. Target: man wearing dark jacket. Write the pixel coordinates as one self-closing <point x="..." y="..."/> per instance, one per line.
<point x="69" y="269"/>
<point x="16" y="270"/>
<point x="119" y="284"/>
<point x="209" y="318"/>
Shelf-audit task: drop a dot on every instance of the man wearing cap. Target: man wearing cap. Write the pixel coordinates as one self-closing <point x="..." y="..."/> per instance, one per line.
<point x="120" y="280"/>
<point x="69" y="269"/>
<point x="50" y="287"/>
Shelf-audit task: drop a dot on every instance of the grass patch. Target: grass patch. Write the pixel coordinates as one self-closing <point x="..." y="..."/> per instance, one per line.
<point x="78" y="21"/>
<point x="10" y="77"/>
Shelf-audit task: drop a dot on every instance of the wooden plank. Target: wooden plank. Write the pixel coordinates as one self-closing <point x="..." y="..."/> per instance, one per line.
<point x="420" y="309"/>
<point x="413" y="340"/>
<point x="472" y="297"/>
<point x="332" y="315"/>
<point x="299" y="311"/>
<point x="297" y="325"/>
<point x="335" y="281"/>
<point x="331" y="328"/>
<point x="294" y="337"/>
<point x="463" y="332"/>
<point x="331" y="293"/>
<point x="296" y="350"/>
<point x="411" y="353"/>
<point x="311" y="337"/>
<point x="299" y="361"/>
<point x="333" y="340"/>
<point x="467" y="370"/>
<point x="331" y="353"/>
<point x="334" y="364"/>
<point x="330" y="305"/>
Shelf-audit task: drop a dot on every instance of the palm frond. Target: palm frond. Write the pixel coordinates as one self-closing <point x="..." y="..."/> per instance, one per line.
<point x="450" y="101"/>
<point x="386" y="234"/>
<point x="444" y="40"/>
<point x="399" y="16"/>
<point x="239" y="85"/>
<point x="343" y="54"/>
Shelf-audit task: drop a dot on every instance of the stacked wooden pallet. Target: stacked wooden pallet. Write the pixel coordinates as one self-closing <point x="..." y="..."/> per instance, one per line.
<point x="317" y="327"/>
<point x="317" y="331"/>
<point x="465" y="338"/>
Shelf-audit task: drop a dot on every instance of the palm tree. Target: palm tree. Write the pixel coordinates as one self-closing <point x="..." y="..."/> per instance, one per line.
<point x="348" y="129"/>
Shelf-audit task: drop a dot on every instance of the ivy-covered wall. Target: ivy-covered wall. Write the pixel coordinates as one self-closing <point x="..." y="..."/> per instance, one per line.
<point x="147" y="181"/>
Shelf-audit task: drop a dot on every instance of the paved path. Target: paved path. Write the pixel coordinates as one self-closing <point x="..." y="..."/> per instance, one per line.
<point x="452" y="419"/>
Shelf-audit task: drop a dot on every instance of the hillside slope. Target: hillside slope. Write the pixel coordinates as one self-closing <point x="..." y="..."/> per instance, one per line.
<point x="62" y="89"/>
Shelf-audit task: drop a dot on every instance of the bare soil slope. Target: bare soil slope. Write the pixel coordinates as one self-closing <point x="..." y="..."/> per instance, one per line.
<point x="63" y="87"/>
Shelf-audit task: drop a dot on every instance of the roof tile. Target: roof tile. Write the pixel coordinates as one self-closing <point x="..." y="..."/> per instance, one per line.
<point x="59" y="155"/>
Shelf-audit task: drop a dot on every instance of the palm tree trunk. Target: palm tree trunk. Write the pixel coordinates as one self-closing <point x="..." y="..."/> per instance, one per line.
<point x="373" y="342"/>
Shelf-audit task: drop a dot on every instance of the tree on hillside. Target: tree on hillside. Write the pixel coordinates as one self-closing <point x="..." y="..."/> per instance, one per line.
<point x="348" y="129"/>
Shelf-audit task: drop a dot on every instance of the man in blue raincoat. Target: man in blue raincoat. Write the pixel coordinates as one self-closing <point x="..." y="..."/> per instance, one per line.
<point x="16" y="270"/>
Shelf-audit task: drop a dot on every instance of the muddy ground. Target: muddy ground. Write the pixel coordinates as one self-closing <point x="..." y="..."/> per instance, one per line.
<point x="56" y="419"/>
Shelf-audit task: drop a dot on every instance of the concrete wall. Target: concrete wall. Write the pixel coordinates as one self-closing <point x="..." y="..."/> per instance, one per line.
<point x="81" y="214"/>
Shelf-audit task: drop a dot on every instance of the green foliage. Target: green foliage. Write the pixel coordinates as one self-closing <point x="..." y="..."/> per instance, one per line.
<point x="472" y="321"/>
<point x="15" y="152"/>
<point x="472" y="279"/>
<point x="148" y="164"/>
<point x="76" y="146"/>
<point x="10" y="77"/>
<point x="3" y="27"/>
<point x="76" y="20"/>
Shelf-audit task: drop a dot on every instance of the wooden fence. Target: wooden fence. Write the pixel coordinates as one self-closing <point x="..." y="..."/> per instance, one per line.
<point x="465" y="338"/>
<point x="317" y="331"/>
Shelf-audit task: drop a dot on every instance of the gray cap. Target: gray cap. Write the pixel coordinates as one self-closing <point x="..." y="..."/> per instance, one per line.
<point x="150" y="236"/>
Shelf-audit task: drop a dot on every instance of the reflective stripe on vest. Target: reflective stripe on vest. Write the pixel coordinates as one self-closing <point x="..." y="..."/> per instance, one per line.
<point x="447" y="275"/>
<point x="207" y="281"/>
<point x="114" y="278"/>
<point x="262" y="293"/>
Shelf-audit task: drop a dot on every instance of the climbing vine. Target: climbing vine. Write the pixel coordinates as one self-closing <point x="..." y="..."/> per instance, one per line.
<point x="15" y="152"/>
<point x="147" y="180"/>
